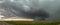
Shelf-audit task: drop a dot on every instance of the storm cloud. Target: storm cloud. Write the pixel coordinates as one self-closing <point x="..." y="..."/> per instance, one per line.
<point x="24" y="8"/>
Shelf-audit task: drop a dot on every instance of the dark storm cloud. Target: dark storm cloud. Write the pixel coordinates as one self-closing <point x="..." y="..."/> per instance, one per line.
<point x="31" y="8"/>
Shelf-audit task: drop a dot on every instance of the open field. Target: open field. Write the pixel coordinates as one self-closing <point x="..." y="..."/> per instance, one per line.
<point x="29" y="22"/>
<point x="47" y="22"/>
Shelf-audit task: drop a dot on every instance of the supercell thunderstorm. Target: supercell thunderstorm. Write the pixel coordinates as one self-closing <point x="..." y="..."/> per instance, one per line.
<point x="30" y="8"/>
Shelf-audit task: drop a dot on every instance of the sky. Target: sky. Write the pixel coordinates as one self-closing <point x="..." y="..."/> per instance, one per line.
<point x="14" y="8"/>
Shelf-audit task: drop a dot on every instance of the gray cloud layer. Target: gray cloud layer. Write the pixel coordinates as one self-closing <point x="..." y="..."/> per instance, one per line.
<point x="11" y="8"/>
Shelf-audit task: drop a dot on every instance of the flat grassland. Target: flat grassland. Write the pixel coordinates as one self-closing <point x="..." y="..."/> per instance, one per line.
<point x="42" y="22"/>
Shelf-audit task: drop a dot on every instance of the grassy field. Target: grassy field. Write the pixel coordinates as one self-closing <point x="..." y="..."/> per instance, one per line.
<point x="48" y="22"/>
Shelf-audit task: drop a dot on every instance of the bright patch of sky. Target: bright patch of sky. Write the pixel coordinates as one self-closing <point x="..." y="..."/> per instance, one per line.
<point x="1" y="1"/>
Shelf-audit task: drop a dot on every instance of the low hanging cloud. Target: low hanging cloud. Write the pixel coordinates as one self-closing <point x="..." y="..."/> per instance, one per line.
<point x="30" y="8"/>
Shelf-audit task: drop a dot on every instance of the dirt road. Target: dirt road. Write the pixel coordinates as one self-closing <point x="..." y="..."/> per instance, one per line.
<point x="4" y="23"/>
